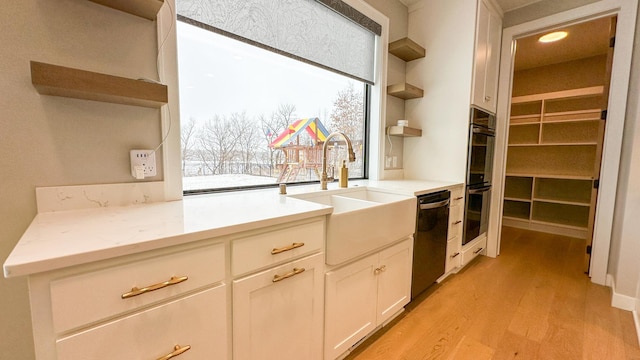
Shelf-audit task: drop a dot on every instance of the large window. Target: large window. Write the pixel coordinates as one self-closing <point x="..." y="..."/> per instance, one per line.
<point x="251" y="117"/>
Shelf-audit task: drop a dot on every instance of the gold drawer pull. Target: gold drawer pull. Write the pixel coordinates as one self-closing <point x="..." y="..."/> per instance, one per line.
<point x="135" y="291"/>
<point x="459" y="198"/>
<point x="478" y="251"/>
<point x="454" y="255"/>
<point x="286" y="248"/>
<point x="295" y="271"/>
<point x="457" y="222"/>
<point x="382" y="268"/>
<point x="177" y="350"/>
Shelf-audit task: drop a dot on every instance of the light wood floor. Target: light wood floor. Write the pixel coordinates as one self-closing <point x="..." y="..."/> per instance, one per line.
<point x="532" y="302"/>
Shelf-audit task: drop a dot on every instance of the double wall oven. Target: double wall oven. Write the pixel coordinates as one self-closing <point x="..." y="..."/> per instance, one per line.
<point x="479" y="169"/>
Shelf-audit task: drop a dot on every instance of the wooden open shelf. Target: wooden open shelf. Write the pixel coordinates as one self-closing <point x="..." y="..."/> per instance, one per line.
<point x="147" y="9"/>
<point x="403" y="131"/>
<point x="516" y="209"/>
<point x="570" y="160"/>
<point x="518" y="187"/>
<point x="80" y="84"/>
<point x="563" y="190"/>
<point x="406" y="49"/>
<point x="405" y="91"/>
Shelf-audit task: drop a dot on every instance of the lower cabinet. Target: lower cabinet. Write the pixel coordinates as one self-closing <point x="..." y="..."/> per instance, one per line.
<point x="471" y="250"/>
<point x="193" y="327"/>
<point x="278" y="313"/>
<point x="364" y="294"/>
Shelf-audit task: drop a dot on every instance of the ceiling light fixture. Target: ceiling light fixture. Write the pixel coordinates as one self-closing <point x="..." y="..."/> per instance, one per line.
<point x="554" y="36"/>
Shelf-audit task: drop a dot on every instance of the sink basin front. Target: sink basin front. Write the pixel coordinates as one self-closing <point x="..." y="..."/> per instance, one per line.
<point x="364" y="220"/>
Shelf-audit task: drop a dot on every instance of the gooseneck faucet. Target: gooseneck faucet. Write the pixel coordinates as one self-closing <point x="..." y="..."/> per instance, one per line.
<point x="352" y="156"/>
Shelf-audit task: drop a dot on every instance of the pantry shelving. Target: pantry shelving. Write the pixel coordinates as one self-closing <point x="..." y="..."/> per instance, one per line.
<point x="552" y="161"/>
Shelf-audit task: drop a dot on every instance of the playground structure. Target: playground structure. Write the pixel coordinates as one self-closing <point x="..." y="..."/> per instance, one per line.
<point x="298" y="155"/>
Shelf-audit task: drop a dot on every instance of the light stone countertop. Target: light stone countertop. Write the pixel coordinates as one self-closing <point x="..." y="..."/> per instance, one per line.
<point x="61" y="239"/>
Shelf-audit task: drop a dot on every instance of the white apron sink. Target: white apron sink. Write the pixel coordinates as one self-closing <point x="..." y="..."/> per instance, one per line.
<point x="363" y="220"/>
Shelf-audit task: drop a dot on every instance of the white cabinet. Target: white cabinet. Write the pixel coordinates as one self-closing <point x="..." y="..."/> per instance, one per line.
<point x="194" y="325"/>
<point x="144" y="306"/>
<point x="454" y="238"/>
<point x="278" y="313"/>
<point x="487" y="57"/>
<point x="473" y="249"/>
<point x="364" y="294"/>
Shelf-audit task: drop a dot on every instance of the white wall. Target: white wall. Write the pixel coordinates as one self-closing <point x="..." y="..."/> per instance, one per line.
<point x="398" y="27"/>
<point x="624" y="257"/>
<point x="446" y="28"/>
<point x="47" y="141"/>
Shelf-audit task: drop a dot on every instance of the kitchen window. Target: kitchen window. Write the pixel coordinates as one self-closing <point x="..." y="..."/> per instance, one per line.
<point x="255" y="115"/>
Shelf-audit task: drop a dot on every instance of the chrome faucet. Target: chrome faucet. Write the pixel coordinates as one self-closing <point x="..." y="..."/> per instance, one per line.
<point x="352" y="157"/>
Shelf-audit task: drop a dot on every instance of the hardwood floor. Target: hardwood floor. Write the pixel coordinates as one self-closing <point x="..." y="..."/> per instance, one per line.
<point x="532" y="302"/>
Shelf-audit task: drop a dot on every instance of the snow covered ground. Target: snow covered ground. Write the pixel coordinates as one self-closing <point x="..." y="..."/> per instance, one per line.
<point x="224" y="181"/>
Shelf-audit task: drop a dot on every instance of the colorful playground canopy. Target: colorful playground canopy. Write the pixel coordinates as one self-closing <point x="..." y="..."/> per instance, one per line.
<point x="313" y="126"/>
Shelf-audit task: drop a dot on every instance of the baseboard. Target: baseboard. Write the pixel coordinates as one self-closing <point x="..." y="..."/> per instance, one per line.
<point x="620" y="301"/>
<point x="636" y="319"/>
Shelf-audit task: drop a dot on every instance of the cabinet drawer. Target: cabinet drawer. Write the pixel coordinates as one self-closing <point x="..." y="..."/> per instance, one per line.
<point x="258" y="251"/>
<point x="89" y="297"/>
<point x="198" y="320"/>
<point x="457" y="196"/>
<point x="470" y="251"/>
<point x="455" y="221"/>
<point x="454" y="254"/>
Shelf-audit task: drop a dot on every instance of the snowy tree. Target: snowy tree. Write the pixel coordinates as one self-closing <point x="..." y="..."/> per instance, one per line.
<point x="347" y="114"/>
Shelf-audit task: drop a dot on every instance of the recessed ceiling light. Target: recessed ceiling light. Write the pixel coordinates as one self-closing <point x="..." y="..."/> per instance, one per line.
<point x="554" y="36"/>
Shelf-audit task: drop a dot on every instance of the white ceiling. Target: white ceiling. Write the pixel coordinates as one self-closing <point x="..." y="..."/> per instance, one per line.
<point x="584" y="40"/>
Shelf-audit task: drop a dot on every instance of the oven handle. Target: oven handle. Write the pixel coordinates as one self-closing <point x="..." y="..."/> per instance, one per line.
<point x="477" y="130"/>
<point x="479" y="190"/>
<point x="434" y="205"/>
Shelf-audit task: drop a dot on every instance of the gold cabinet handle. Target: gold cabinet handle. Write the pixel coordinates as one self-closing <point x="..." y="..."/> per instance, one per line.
<point x="295" y="271"/>
<point x="382" y="268"/>
<point x="177" y="350"/>
<point x="135" y="291"/>
<point x="478" y="251"/>
<point x="457" y="222"/>
<point x="454" y="255"/>
<point x="459" y="198"/>
<point x="286" y="248"/>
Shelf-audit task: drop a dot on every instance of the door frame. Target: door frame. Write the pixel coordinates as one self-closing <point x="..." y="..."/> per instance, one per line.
<point x="626" y="12"/>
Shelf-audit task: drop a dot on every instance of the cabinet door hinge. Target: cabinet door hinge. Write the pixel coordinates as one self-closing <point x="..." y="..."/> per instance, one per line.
<point x="612" y="41"/>
<point x="603" y="115"/>
<point x="596" y="184"/>
<point x="589" y="249"/>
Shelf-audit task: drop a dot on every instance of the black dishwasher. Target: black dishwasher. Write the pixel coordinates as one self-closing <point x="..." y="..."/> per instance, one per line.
<point x="430" y="240"/>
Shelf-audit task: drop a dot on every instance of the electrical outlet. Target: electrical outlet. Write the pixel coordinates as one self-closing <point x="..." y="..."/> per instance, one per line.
<point x="143" y="163"/>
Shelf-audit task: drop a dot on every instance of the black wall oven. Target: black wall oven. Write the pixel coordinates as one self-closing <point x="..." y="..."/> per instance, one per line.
<point x="479" y="169"/>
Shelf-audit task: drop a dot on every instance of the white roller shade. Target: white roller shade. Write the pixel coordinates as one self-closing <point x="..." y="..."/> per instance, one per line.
<point x="303" y="29"/>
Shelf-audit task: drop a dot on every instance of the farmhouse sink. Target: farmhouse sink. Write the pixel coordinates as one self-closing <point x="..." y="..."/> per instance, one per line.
<point x="363" y="220"/>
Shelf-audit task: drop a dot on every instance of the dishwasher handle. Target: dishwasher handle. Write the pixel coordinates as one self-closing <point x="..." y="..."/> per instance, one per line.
<point x="479" y="190"/>
<point x="434" y="205"/>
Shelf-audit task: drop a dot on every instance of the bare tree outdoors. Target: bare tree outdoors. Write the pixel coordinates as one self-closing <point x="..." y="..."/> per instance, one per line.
<point x="348" y="113"/>
<point x="188" y="141"/>
<point x="217" y="139"/>
<point x="247" y="140"/>
<point x="273" y="126"/>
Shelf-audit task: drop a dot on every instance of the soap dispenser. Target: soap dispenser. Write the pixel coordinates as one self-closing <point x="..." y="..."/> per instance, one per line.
<point x="344" y="175"/>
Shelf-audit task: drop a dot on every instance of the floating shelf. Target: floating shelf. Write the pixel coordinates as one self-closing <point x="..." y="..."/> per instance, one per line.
<point x="80" y="84"/>
<point x="405" y="91"/>
<point x="403" y="131"/>
<point x="406" y="49"/>
<point x="147" y="9"/>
